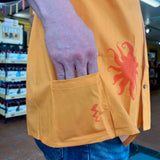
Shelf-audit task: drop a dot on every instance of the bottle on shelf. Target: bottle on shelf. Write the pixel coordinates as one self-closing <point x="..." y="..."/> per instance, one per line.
<point x="23" y="71"/>
<point x="25" y="52"/>
<point x="9" y="71"/>
<point x="2" y="54"/>
<point x="2" y="71"/>
<point x="3" y="88"/>
<point x="14" y="54"/>
<point x="19" y="54"/>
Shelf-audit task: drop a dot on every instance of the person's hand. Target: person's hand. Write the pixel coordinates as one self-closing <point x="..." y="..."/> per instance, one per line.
<point x="71" y="46"/>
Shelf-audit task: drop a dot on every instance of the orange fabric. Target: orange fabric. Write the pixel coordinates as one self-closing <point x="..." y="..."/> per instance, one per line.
<point x="100" y="106"/>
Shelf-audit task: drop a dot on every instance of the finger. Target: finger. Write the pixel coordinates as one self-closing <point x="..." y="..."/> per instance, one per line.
<point x="60" y="72"/>
<point x="69" y="71"/>
<point x="81" y="69"/>
<point x="92" y="66"/>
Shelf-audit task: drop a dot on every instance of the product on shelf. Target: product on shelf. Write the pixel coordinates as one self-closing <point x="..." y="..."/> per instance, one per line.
<point x="10" y="54"/>
<point x="13" y="88"/>
<point x="2" y="71"/>
<point x="2" y="54"/>
<point x="23" y="71"/>
<point x="13" y="70"/>
<point x="16" y="54"/>
<point x="13" y="106"/>
<point x="2" y="88"/>
<point x="12" y="81"/>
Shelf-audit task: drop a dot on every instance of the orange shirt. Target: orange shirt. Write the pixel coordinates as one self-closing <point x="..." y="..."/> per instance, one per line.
<point x="114" y="102"/>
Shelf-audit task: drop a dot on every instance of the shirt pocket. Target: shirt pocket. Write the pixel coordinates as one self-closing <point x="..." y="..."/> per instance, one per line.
<point x="77" y="107"/>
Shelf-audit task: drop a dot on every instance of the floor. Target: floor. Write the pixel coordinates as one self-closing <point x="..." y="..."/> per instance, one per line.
<point x="141" y="156"/>
<point x="15" y="144"/>
<point x="151" y="138"/>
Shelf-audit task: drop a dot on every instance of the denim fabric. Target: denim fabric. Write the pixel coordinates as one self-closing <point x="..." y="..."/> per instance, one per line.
<point x="107" y="150"/>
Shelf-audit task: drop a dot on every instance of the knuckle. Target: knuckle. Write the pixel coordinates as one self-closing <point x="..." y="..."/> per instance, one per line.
<point x="66" y="59"/>
<point x="92" y="52"/>
<point x="79" y="57"/>
<point x="54" y="57"/>
<point x="59" y="58"/>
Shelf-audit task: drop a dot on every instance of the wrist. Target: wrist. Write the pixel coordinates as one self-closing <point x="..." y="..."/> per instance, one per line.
<point x="57" y="13"/>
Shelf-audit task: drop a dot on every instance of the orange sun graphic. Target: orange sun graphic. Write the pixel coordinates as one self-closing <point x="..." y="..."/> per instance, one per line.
<point x="127" y="68"/>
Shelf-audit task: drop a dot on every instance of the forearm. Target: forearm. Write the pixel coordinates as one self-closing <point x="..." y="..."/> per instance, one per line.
<point x="52" y="10"/>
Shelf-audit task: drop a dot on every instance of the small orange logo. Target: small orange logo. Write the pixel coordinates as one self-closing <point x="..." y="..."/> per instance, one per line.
<point x="94" y="109"/>
<point x="127" y="68"/>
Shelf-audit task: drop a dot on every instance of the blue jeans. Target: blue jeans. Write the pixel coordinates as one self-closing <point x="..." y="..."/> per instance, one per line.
<point x="107" y="150"/>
